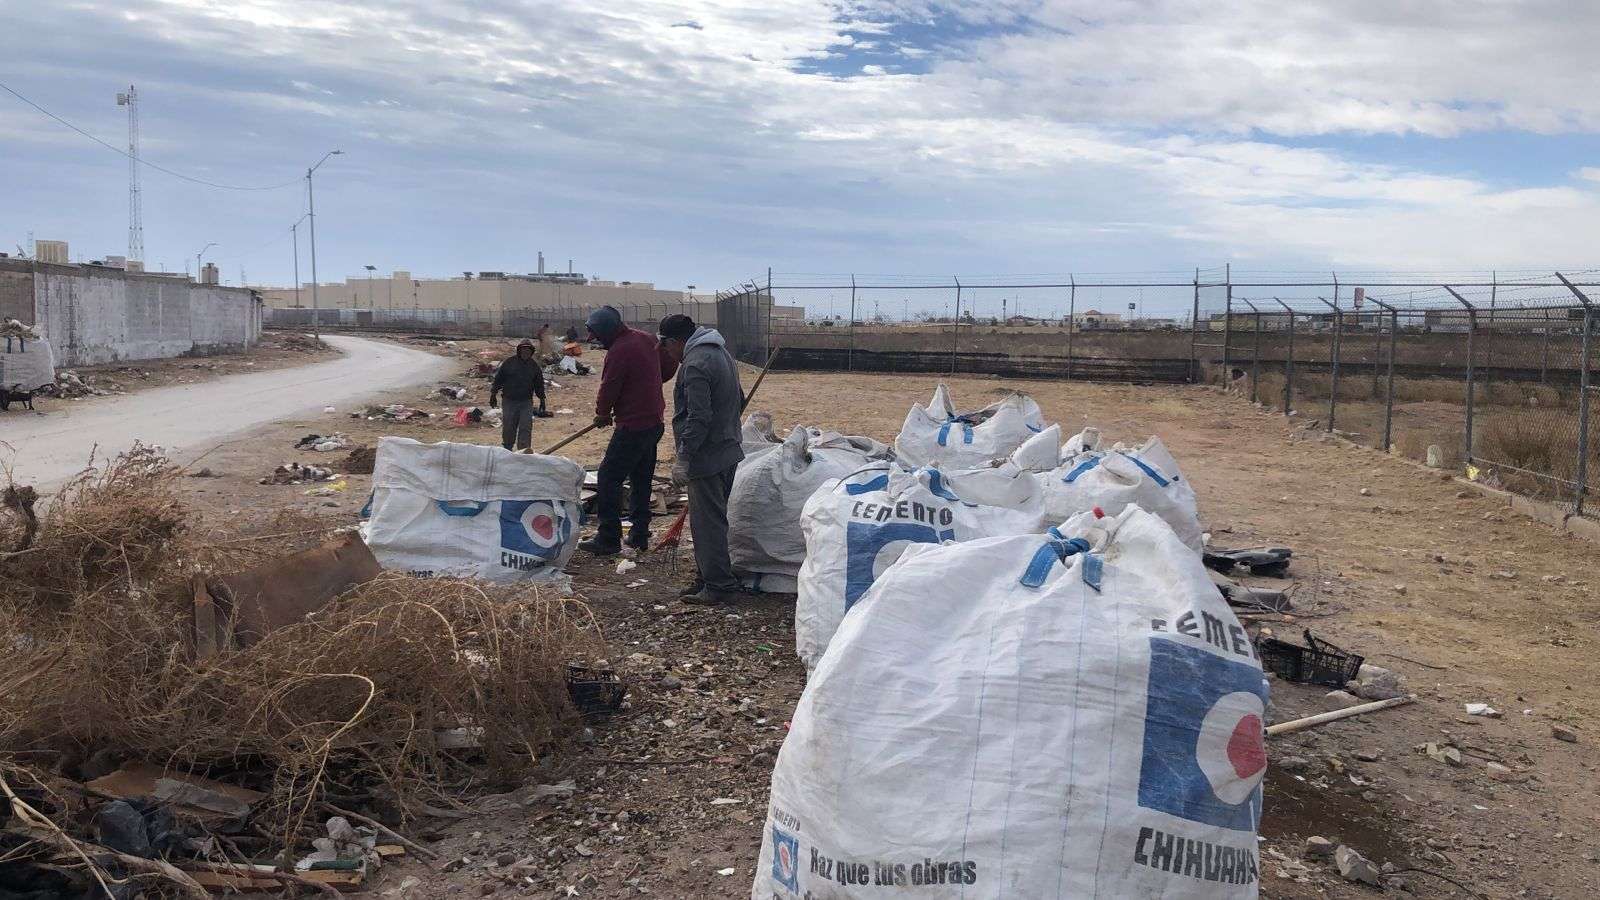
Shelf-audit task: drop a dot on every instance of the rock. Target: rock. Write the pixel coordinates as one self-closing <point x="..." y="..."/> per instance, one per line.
<point x="1435" y="456"/>
<point x="1482" y="709"/>
<point x="1377" y="683"/>
<point x="1564" y="733"/>
<point x="671" y="682"/>
<point x="1498" y="772"/>
<point x="1463" y="495"/>
<point x="505" y="859"/>
<point x="1368" y="754"/>
<point x="1366" y="492"/>
<point x="1292" y="764"/>
<point x="1319" y="847"/>
<point x="1355" y="867"/>
<point x="487" y="888"/>
<point x="1400" y="589"/>
<point x="1443" y="753"/>
<point x="1505" y="575"/>
<point x="1342" y="699"/>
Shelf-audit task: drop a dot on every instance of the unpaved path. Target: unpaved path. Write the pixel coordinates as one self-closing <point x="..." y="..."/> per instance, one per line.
<point x="47" y="448"/>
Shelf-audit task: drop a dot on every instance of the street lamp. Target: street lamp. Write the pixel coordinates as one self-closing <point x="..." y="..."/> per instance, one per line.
<point x="370" y="270"/>
<point x="208" y="246"/>
<point x="311" y="213"/>
<point x="294" y="231"/>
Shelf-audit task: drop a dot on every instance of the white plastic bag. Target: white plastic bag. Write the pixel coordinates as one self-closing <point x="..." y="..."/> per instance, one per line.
<point x="1116" y="479"/>
<point x="472" y="511"/>
<point x="1027" y="717"/>
<point x="26" y="363"/>
<point x="937" y="435"/>
<point x="770" y="489"/>
<point x="856" y="527"/>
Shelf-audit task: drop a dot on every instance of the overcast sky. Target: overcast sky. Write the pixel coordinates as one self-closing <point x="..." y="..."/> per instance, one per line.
<point x="701" y="142"/>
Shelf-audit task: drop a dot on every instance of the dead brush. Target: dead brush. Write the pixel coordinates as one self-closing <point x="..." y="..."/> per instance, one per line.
<point x="95" y="654"/>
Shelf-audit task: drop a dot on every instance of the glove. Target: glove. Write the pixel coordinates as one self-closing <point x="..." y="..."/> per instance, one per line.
<point x="680" y="472"/>
<point x="493" y="402"/>
<point x="602" y="421"/>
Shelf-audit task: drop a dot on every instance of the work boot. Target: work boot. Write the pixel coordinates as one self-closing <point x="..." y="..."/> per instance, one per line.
<point x="710" y="596"/>
<point x="639" y="540"/>
<point x="594" y="546"/>
<point x="694" y="587"/>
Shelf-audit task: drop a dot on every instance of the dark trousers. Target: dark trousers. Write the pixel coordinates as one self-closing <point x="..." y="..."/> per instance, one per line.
<point x="630" y="456"/>
<point x="708" y="523"/>
<point x="516" y="424"/>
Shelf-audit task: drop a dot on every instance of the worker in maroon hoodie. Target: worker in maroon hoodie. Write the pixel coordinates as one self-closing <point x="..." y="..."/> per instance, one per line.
<point x="630" y="398"/>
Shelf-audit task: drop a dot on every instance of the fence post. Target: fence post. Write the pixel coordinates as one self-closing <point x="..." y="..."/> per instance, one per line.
<point x="1255" y="350"/>
<point x="1227" y="336"/>
<point x="1333" y="354"/>
<point x="766" y="332"/>
<point x="1288" y="365"/>
<point x="850" y="355"/>
<point x="1388" y="400"/>
<point x="1584" y="388"/>
<point x="1072" y="320"/>
<point x="1194" y="333"/>
<point x="955" y="327"/>
<point x="1472" y="328"/>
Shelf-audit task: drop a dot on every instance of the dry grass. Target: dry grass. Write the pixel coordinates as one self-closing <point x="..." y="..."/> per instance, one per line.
<point x="98" y="657"/>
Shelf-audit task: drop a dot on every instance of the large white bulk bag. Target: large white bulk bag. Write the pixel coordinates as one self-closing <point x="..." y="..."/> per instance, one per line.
<point x="1027" y="717"/>
<point x="474" y="511"/>
<point x="1116" y="479"/>
<point x="26" y="363"/>
<point x="769" y="491"/>
<point x="937" y="435"/>
<point x="1039" y="453"/>
<point x="756" y="434"/>
<point x="857" y="526"/>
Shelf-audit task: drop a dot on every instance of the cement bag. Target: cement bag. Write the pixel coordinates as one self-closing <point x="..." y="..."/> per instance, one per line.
<point x="756" y="434"/>
<point x="857" y="526"/>
<point x="873" y="449"/>
<point x="937" y="435"/>
<point x="1027" y="717"/>
<point x="1087" y="439"/>
<point x="769" y="492"/>
<point x="472" y="511"/>
<point x="1039" y="453"/>
<point x="1115" y="479"/>
<point x="26" y="363"/>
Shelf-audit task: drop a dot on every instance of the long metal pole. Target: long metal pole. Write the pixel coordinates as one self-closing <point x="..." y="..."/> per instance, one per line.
<point x="850" y="355"/>
<point x="1333" y="357"/>
<point x="955" y="329"/>
<point x="1227" y="336"/>
<point x="311" y="213"/>
<point x="1288" y="365"/>
<point x="1584" y="389"/>
<point x="1388" y="400"/>
<point x="1194" y="332"/>
<point x="1472" y="327"/>
<point x="294" y="231"/>
<point x="1072" y="319"/>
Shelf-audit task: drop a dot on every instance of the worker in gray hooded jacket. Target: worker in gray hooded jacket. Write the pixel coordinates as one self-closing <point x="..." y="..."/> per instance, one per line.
<point x="706" y="401"/>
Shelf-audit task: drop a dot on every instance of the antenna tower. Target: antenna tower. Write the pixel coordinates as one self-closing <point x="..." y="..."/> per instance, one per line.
<point x="130" y="99"/>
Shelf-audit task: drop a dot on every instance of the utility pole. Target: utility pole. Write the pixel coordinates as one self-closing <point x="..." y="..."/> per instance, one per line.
<point x="208" y="246"/>
<point x="311" y="213"/>
<point x="294" y="235"/>
<point x="130" y="99"/>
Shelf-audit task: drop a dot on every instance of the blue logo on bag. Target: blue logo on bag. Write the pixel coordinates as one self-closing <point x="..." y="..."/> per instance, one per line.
<point x="1204" y="747"/>
<point x="786" y="859"/>
<point x="536" y="528"/>
<point x="865" y="541"/>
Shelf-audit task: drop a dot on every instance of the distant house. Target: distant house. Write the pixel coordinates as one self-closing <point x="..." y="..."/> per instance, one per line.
<point x="1094" y="318"/>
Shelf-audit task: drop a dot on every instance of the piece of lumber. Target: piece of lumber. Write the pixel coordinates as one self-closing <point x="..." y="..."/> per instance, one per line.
<point x="1294" y="725"/>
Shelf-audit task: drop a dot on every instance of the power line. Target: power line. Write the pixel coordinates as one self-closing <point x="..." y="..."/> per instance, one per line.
<point x="120" y="152"/>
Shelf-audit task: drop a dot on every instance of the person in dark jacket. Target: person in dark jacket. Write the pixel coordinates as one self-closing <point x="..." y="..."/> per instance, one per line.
<point x="629" y="398"/>
<point x="706" y="401"/>
<point x="519" y="379"/>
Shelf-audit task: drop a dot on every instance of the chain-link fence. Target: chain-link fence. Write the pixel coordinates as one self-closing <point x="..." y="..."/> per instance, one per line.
<point x="1489" y="376"/>
<point x="481" y="322"/>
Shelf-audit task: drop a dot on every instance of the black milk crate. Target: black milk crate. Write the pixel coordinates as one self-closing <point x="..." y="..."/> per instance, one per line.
<point x="1317" y="663"/>
<point x="595" y="692"/>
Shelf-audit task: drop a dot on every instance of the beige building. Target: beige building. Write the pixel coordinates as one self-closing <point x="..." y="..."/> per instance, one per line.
<point x="483" y="292"/>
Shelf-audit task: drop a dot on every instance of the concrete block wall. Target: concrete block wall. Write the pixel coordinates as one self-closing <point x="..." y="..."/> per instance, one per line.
<point x="97" y="315"/>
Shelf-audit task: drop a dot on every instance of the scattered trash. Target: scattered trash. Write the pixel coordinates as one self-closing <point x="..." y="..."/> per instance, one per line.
<point x="1317" y="663"/>
<point x="201" y="798"/>
<point x="595" y="691"/>
<point x="397" y="412"/>
<point x="234" y="611"/>
<point x="1482" y="709"/>
<point x="1564" y="733"/>
<point x="452" y="392"/>
<point x="725" y="801"/>
<point x="564" y="411"/>
<point x="465" y="416"/>
<point x="360" y="461"/>
<point x="295" y="473"/>
<point x="1443" y="753"/>
<point x="727" y="871"/>
<point x="323" y="443"/>
<point x="626" y="566"/>
<point x="329" y="409"/>
<point x="1268" y="562"/>
<point x="1295" y="725"/>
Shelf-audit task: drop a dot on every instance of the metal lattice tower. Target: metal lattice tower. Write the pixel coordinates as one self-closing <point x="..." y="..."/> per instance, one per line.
<point x="130" y="99"/>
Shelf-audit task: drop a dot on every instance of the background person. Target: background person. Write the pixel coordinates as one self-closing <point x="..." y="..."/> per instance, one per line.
<point x="706" y="401"/>
<point x="519" y="379"/>
<point x="630" y="398"/>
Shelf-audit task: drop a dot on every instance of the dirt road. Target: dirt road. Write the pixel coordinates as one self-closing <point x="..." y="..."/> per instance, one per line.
<point x="47" y="448"/>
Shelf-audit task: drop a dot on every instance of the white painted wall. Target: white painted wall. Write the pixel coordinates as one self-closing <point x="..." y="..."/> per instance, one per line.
<point x="96" y="315"/>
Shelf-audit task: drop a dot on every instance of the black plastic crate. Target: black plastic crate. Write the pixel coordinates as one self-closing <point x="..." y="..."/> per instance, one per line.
<point x="595" y="692"/>
<point x="1317" y="663"/>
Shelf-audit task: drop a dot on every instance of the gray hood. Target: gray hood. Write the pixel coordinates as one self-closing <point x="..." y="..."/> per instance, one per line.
<point x="704" y="335"/>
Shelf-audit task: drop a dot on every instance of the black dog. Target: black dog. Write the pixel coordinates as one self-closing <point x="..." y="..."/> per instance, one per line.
<point x="8" y="397"/>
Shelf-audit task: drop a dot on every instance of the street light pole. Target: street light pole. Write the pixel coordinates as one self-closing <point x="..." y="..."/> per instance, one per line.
<point x="370" y="270"/>
<point x="208" y="246"/>
<point x="311" y="213"/>
<point x="294" y="232"/>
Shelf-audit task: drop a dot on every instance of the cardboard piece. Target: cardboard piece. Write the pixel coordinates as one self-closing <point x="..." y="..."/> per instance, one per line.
<point x="138" y="780"/>
<point x="235" y="611"/>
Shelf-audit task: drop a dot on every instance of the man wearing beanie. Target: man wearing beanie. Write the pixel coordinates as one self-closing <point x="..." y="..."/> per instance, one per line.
<point x="519" y="379"/>
<point x="629" y="398"/>
<point x="706" y="402"/>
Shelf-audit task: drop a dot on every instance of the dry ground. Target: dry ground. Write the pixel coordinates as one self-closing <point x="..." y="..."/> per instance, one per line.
<point x="1466" y="600"/>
